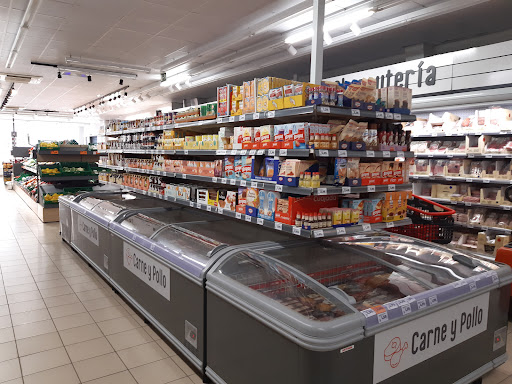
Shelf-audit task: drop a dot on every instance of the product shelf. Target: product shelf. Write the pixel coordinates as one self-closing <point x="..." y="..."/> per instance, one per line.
<point x="463" y="155"/>
<point x="483" y="228"/>
<point x="318" y="233"/>
<point x="68" y="178"/>
<point x="469" y="204"/>
<point x="461" y="135"/>
<point x="461" y="179"/>
<point x="328" y="190"/>
<point x="30" y="169"/>
<point x="273" y="116"/>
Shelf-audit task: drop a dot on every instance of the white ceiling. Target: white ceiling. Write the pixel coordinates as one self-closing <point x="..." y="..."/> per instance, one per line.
<point x="155" y="33"/>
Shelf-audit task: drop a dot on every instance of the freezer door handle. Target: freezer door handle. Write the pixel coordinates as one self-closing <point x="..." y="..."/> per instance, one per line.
<point x="344" y="296"/>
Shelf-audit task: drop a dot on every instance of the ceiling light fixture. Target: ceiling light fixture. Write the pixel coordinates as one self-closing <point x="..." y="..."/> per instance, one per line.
<point x="107" y="64"/>
<point x="355" y="28"/>
<point x="178" y="86"/>
<point x="181" y="78"/>
<point x="89" y="71"/>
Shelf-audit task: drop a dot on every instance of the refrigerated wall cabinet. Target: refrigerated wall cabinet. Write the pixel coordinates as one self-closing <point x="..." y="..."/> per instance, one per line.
<point x="246" y="304"/>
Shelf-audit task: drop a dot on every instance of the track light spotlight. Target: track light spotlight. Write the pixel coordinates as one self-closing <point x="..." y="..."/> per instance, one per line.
<point x="59" y="75"/>
<point x="89" y="78"/>
<point x="121" y="81"/>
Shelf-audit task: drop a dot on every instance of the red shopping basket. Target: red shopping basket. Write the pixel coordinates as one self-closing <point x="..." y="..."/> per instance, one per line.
<point x="430" y="221"/>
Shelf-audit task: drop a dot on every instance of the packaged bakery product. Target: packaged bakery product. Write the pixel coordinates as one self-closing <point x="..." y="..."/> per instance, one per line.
<point x="353" y="168"/>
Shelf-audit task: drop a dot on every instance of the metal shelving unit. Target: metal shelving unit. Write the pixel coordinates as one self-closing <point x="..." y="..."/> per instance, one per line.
<point x="317" y="233"/>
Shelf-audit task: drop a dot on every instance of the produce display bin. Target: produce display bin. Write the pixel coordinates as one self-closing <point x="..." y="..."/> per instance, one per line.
<point x="374" y="308"/>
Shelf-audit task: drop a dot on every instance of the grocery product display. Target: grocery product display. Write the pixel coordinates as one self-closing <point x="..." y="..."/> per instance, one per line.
<point x="205" y="281"/>
<point x="7" y="171"/>
<point x="466" y="163"/>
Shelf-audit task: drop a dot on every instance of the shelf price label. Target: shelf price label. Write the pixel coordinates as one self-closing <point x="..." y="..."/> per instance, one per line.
<point x="260" y="221"/>
<point x="243" y="152"/>
<point x="254" y="184"/>
<point x="469" y="180"/>
<point x="342" y="153"/>
<point x="341" y="231"/>
<point x="400" y="154"/>
<point x="318" y="233"/>
<point x="321" y="191"/>
<point x="83" y="152"/>
<point x="283" y="152"/>
<point x="233" y="152"/>
<point x="389" y="116"/>
<point x="221" y="152"/>
<point x="248" y="218"/>
<point x="224" y="180"/>
<point x="296" y="230"/>
<point x="183" y="176"/>
<point x="220" y="120"/>
<point x="278" y="226"/>
<point x="367" y="227"/>
<point x="238" y="215"/>
<point x="356" y="112"/>
<point x="325" y="109"/>
<point x="54" y="152"/>
<point x="241" y="118"/>
<point x="379" y="115"/>
<point x="209" y="208"/>
<point x="397" y="116"/>
<point x="261" y="152"/>
<point x="185" y="151"/>
<point x="371" y="188"/>
<point x="271" y="114"/>
<point x="386" y="154"/>
<point x="279" y="188"/>
<point x="231" y="119"/>
<point x="232" y="182"/>
<point x="390" y="224"/>
<point x="271" y="152"/>
<point x="323" y="153"/>
<point x="256" y="116"/>
<point x="346" y="190"/>
<point x="214" y="179"/>
<point x="243" y="183"/>
<point x="220" y="210"/>
<point x="370" y="153"/>
<point x="467" y="203"/>
<point x="507" y="208"/>
<point x="486" y="181"/>
<point x="391" y="187"/>
<point x="252" y="152"/>
<point x="198" y="205"/>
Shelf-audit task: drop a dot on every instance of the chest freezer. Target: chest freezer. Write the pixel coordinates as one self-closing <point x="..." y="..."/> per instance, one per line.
<point x="378" y="308"/>
<point x="164" y="259"/>
<point x="91" y="214"/>
<point x="65" y="216"/>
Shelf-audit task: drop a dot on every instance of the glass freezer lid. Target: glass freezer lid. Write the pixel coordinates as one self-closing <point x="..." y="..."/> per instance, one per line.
<point x="282" y="284"/>
<point x="365" y="282"/>
<point x="147" y="223"/>
<point x="110" y="209"/>
<point x="197" y="239"/>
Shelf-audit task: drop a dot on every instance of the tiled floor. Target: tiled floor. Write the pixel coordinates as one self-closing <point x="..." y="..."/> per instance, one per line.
<point x="60" y="323"/>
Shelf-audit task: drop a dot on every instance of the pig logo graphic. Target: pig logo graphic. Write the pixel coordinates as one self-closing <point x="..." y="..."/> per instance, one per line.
<point x="129" y="258"/>
<point x="394" y="351"/>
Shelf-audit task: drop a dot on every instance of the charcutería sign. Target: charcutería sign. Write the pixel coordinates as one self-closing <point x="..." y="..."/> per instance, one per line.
<point x="404" y="346"/>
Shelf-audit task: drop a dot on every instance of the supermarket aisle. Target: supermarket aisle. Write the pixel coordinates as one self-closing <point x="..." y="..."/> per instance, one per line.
<point x="60" y="323"/>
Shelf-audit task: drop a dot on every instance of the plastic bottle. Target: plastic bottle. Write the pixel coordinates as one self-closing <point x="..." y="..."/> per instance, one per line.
<point x="334" y="142"/>
<point x="307" y="180"/>
<point x="298" y="220"/>
<point x="301" y="180"/>
<point x="306" y="224"/>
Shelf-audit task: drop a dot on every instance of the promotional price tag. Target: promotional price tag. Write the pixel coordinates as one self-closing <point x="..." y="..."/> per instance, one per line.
<point x="321" y="191"/>
<point x="232" y="182"/>
<point x="325" y="109"/>
<point x="54" y="152"/>
<point x="389" y="116"/>
<point x="278" y="226"/>
<point x="248" y="218"/>
<point x="296" y="230"/>
<point x="323" y="153"/>
<point x="224" y="180"/>
<point x="231" y="119"/>
<point x="271" y="152"/>
<point x="379" y="115"/>
<point x="397" y="116"/>
<point x="220" y="210"/>
<point x="209" y="208"/>
<point x="346" y="190"/>
<point x="341" y="231"/>
<point x="271" y="114"/>
<point x="238" y="215"/>
<point x="318" y="233"/>
<point x="342" y="153"/>
<point x="356" y="112"/>
<point x="83" y="152"/>
<point x="241" y="118"/>
<point x="370" y="153"/>
<point x="255" y="116"/>
<point x="283" y="152"/>
<point x="367" y="227"/>
<point x="391" y="187"/>
<point x="243" y="152"/>
<point x="243" y="183"/>
<point x="259" y="221"/>
<point x="391" y="224"/>
<point x="252" y="152"/>
<point x="279" y="188"/>
<point x="371" y="188"/>
<point x="254" y="184"/>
